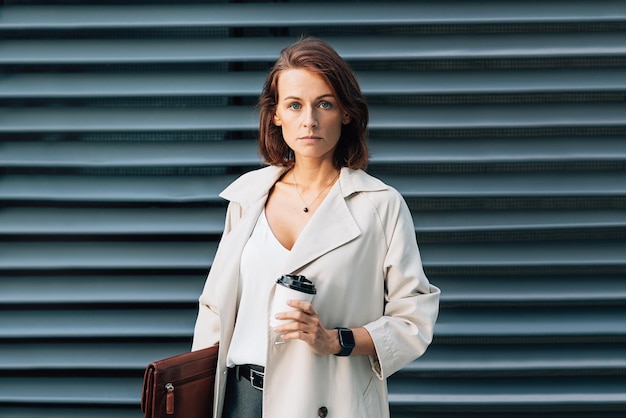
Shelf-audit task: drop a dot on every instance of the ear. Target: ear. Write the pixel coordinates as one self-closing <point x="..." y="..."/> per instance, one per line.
<point x="346" y="119"/>
<point x="277" y="120"/>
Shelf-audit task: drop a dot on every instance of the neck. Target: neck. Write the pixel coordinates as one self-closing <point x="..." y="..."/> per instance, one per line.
<point x="321" y="188"/>
<point x="314" y="177"/>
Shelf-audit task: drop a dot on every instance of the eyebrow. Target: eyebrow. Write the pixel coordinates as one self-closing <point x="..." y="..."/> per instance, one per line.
<point x="317" y="98"/>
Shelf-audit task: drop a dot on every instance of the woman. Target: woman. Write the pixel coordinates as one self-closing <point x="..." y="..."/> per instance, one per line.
<point x="314" y="212"/>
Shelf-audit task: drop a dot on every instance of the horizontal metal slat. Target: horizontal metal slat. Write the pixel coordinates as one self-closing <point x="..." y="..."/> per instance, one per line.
<point x="524" y="394"/>
<point x="114" y="154"/>
<point x="547" y="322"/>
<point x="143" y="189"/>
<point x="440" y="358"/>
<point x="496" y="150"/>
<point x="515" y="220"/>
<point x="177" y="288"/>
<point x="536" y="289"/>
<point x="198" y="255"/>
<point x="98" y="323"/>
<point x="133" y="51"/>
<point x="451" y="47"/>
<point x="64" y="356"/>
<point x="160" y="222"/>
<point x="82" y="411"/>
<point x="165" y="222"/>
<point x="244" y="15"/>
<point x="179" y="84"/>
<point x="528" y="81"/>
<point x="402" y="411"/>
<point x="547" y="254"/>
<point x="190" y="189"/>
<point x="102" y="256"/>
<point x="560" y="184"/>
<point x="60" y="390"/>
<point x="50" y="289"/>
<point x="243" y="118"/>
<point x="146" y="84"/>
<point x="123" y="154"/>
<point x="522" y="116"/>
<point x="518" y="359"/>
<point x="79" y="119"/>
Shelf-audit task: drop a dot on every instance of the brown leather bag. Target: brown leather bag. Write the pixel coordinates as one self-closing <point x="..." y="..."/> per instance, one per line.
<point x="180" y="386"/>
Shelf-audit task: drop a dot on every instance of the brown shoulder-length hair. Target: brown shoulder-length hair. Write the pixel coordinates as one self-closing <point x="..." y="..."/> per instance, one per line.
<point x="314" y="55"/>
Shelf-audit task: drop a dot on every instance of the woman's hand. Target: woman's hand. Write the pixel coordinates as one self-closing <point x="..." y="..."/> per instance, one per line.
<point x="306" y="326"/>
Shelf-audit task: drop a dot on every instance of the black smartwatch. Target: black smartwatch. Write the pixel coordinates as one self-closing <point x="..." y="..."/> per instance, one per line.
<point x="346" y="339"/>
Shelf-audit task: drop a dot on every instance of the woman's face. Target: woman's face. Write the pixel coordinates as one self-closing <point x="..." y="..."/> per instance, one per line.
<point x="309" y="114"/>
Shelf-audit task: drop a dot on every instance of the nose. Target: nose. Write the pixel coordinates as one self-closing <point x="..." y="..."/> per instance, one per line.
<point x="310" y="120"/>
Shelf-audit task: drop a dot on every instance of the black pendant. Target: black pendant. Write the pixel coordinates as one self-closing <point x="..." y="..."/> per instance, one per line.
<point x="305" y="209"/>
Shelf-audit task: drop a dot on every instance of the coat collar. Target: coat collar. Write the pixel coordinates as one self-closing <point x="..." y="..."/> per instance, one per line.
<point x="331" y="226"/>
<point x="255" y="185"/>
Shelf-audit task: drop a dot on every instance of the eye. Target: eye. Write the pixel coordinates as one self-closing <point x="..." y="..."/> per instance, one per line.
<point x="294" y="106"/>
<point x="325" y="105"/>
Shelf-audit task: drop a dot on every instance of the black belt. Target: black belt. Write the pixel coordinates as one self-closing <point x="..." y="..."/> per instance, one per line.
<point x="254" y="374"/>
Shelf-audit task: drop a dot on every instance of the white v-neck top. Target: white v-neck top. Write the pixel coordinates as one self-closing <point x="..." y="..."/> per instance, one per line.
<point x="262" y="262"/>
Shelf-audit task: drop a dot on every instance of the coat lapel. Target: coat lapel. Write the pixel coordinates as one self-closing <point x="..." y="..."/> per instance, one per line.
<point x="331" y="226"/>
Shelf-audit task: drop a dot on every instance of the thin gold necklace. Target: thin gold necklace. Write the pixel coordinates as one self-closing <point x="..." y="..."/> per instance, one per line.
<point x="306" y="205"/>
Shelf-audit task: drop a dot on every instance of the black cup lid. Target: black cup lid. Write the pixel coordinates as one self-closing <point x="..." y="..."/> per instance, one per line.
<point x="297" y="282"/>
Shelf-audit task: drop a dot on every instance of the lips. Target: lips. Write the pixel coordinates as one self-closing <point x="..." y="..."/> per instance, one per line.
<point x="309" y="137"/>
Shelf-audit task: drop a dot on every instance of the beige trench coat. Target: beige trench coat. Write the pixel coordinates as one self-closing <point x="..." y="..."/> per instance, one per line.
<point x="360" y="250"/>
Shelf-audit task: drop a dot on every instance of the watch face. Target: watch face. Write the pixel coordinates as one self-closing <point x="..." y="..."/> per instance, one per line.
<point x="347" y="338"/>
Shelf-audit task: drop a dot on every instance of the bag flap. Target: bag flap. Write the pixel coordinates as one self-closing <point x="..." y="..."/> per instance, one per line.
<point x="147" y="390"/>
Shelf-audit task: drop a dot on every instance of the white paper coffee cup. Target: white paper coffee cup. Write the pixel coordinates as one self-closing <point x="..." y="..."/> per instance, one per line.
<point x="290" y="287"/>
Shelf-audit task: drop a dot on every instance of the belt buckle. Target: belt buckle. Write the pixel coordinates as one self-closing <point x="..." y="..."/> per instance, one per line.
<point x="256" y="379"/>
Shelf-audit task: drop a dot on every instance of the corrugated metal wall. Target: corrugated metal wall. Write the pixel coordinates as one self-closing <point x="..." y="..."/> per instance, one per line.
<point x="503" y="123"/>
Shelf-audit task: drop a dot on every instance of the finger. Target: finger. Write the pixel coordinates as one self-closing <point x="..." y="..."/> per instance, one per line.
<point x="294" y="335"/>
<point x="298" y="316"/>
<point x="302" y="305"/>
<point x="293" y="324"/>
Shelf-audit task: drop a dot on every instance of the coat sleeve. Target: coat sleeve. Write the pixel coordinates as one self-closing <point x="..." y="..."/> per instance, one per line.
<point x="405" y="330"/>
<point x="207" y="328"/>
